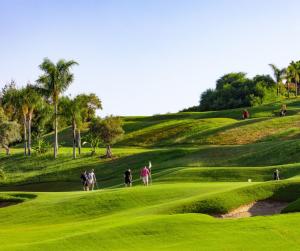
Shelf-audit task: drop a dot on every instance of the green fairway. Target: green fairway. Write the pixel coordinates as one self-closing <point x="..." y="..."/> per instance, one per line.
<point x="201" y="166"/>
<point x="122" y="219"/>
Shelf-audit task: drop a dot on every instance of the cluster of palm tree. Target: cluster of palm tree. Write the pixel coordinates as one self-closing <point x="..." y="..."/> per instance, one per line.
<point x="287" y="78"/>
<point x="22" y="103"/>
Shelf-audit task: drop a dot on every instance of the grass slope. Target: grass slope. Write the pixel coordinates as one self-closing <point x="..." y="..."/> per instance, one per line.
<point x="122" y="219"/>
<point x="202" y="128"/>
<point x="205" y="163"/>
<point x="201" y="162"/>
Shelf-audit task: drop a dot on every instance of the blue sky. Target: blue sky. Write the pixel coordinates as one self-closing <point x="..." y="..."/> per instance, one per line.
<point x="148" y="56"/>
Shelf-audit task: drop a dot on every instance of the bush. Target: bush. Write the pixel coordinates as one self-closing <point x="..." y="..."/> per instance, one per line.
<point x="235" y="90"/>
<point x="41" y="146"/>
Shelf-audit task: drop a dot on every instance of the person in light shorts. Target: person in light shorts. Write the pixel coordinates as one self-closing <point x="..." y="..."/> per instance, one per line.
<point x="145" y="175"/>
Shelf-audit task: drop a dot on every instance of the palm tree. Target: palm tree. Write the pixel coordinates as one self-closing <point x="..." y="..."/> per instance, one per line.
<point x="33" y="100"/>
<point x="55" y="80"/>
<point x="278" y="75"/>
<point x="293" y="71"/>
<point x="70" y="109"/>
<point x="16" y="98"/>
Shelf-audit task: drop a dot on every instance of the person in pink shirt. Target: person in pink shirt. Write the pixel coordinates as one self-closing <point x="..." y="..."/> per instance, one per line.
<point x="145" y="175"/>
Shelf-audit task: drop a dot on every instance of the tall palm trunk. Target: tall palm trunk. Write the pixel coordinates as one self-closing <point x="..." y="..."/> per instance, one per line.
<point x="79" y="141"/>
<point x="29" y="132"/>
<point x="25" y="133"/>
<point x="74" y="139"/>
<point x="296" y="90"/>
<point x="55" y="131"/>
<point x="288" y="89"/>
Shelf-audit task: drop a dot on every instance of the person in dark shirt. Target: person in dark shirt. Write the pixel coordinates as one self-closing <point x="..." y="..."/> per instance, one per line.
<point x="84" y="179"/>
<point x="128" y="178"/>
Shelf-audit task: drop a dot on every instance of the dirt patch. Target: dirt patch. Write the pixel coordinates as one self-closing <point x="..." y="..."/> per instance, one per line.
<point x="7" y="203"/>
<point x="264" y="207"/>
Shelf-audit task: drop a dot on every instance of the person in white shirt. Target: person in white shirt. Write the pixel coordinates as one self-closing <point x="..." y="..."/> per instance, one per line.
<point x="92" y="179"/>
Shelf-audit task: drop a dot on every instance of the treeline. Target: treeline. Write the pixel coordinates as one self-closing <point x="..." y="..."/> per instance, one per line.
<point x="235" y="90"/>
<point x="32" y="111"/>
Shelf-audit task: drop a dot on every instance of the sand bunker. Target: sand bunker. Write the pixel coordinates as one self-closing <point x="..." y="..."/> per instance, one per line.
<point x="264" y="207"/>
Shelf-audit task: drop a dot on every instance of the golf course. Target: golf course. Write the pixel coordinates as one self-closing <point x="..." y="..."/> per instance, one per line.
<point x="202" y="165"/>
<point x="159" y="125"/>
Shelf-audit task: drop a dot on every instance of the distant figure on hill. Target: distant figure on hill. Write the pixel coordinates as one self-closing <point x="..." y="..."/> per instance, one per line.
<point x="128" y="178"/>
<point x="145" y="175"/>
<point x="84" y="178"/>
<point x="276" y="175"/>
<point x="283" y="110"/>
<point x="246" y="114"/>
<point x="91" y="180"/>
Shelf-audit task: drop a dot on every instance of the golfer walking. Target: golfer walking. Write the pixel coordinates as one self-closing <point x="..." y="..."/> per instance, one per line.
<point x="145" y="175"/>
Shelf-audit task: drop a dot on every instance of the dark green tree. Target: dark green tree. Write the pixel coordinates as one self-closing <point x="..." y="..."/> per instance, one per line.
<point x="109" y="130"/>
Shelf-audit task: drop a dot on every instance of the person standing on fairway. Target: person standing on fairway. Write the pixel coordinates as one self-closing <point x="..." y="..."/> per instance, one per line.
<point x="128" y="178"/>
<point x="246" y="114"/>
<point x="84" y="179"/>
<point x="145" y="175"/>
<point x="276" y="175"/>
<point x="150" y="172"/>
<point x="92" y="179"/>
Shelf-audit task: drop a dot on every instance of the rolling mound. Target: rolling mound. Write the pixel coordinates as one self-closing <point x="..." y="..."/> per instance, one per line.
<point x="201" y="166"/>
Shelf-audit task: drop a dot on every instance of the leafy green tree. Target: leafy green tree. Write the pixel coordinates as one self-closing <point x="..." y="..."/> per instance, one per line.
<point x="55" y="80"/>
<point x="279" y="75"/>
<point x="10" y="110"/>
<point x="14" y="99"/>
<point x="24" y="101"/>
<point x="71" y="110"/>
<point x="235" y="90"/>
<point x="109" y="130"/>
<point x="9" y="132"/>
<point x="93" y="140"/>
<point x="89" y="103"/>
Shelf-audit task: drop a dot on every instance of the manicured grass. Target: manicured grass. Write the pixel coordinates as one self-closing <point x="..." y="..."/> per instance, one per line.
<point x="201" y="164"/>
<point x="225" y="202"/>
<point x="202" y="128"/>
<point x="208" y="163"/>
<point x="122" y="219"/>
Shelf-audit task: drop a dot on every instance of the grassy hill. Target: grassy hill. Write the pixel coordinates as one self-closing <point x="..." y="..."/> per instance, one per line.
<point x="207" y="128"/>
<point x="203" y="146"/>
<point x="201" y="165"/>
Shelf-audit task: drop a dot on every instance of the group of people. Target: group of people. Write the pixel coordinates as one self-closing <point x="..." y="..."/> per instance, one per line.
<point x="145" y="175"/>
<point x="282" y="112"/>
<point x="88" y="180"/>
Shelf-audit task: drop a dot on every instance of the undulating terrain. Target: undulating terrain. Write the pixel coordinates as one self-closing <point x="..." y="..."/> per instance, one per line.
<point x="201" y="164"/>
